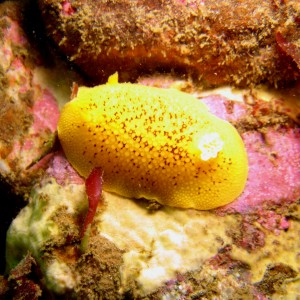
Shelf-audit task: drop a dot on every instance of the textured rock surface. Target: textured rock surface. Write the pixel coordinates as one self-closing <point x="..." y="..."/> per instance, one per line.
<point x="136" y="250"/>
<point x="29" y="90"/>
<point x="171" y="253"/>
<point x="28" y="111"/>
<point x="230" y="41"/>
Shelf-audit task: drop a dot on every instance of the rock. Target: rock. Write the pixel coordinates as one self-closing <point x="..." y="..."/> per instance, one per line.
<point x="166" y="253"/>
<point x="219" y="42"/>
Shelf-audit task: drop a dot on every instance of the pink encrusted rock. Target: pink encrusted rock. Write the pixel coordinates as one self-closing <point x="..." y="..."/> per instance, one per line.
<point x="225" y="108"/>
<point x="29" y="110"/>
<point x="60" y="169"/>
<point x="272" y="141"/>
<point x="274" y="172"/>
<point x="273" y="147"/>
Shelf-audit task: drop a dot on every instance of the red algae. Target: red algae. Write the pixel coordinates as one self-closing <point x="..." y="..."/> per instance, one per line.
<point x="67" y="8"/>
<point x="93" y="186"/>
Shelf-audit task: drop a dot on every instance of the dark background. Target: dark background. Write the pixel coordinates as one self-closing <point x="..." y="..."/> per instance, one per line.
<point x="10" y="206"/>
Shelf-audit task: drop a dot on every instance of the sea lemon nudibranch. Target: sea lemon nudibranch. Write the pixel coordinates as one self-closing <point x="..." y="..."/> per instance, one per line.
<point x="154" y="143"/>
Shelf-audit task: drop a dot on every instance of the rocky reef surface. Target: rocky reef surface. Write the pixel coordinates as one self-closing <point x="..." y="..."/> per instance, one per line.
<point x="237" y="42"/>
<point x="135" y="249"/>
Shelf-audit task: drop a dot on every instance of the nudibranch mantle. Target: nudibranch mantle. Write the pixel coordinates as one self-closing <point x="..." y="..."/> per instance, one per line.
<point x="154" y="143"/>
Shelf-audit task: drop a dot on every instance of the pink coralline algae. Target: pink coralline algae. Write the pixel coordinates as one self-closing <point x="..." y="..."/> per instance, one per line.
<point x="272" y="221"/>
<point x="45" y="112"/>
<point x="14" y="34"/>
<point x="274" y="158"/>
<point x="274" y="169"/>
<point x="273" y="182"/>
<point x="27" y="106"/>
<point x="60" y="169"/>
<point x="224" y="108"/>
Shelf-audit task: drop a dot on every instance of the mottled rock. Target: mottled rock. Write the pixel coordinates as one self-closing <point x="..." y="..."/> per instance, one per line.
<point x="220" y="42"/>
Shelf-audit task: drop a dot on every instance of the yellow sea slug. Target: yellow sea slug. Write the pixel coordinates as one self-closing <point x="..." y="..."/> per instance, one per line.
<point x="153" y="143"/>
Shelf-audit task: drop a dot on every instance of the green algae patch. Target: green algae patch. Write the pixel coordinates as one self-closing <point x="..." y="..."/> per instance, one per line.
<point x="40" y="226"/>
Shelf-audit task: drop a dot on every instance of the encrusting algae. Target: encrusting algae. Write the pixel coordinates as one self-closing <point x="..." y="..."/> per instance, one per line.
<point x="158" y="144"/>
